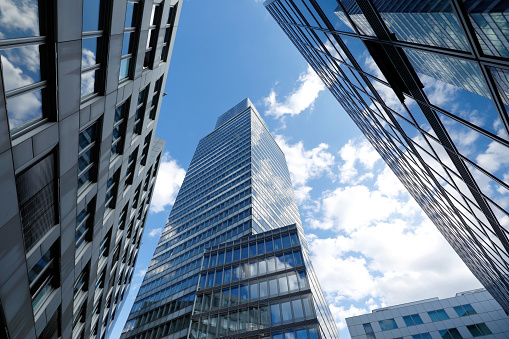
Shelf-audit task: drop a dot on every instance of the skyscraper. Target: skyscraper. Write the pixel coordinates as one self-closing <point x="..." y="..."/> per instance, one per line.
<point x="427" y="84"/>
<point x="80" y="84"/>
<point x="232" y="260"/>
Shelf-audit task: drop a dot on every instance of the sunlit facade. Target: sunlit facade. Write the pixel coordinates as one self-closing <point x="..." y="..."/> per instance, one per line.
<point x="81" y="87"/>
<point x="232" y="260"/>
<point x="427" y="83"/>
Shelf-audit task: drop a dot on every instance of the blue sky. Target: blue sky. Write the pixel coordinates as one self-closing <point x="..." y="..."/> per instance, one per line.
<point x="371" y="244"/>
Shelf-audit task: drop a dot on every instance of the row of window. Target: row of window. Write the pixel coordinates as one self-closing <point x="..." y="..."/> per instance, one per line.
<point x="255" y="317"/>
<point x="252" y="269"/>
<point x="160" y="312"/>
<point x="214" y="241"/>
<point x="254" y="290"/>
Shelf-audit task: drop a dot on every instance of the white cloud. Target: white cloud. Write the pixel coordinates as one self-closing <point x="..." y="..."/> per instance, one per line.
<point x="22" y="15"/>
<point x="168" y="183"/>
<point x="155" y="232"/>
<point x="300" y="99"/>
<point x="494" y="158"/>
<point x="353" y="153"/>
<point x="140" y="273"/>
<point x="340" y="313"/>
<point x="305" y="165"/>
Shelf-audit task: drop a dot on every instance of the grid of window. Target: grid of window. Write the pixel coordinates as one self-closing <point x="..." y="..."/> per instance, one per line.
<point x="168" y="32"/>
<point x="43" y="278"/>
<point x="438" y="315"/>
<point x="153" y="30"/>
<point x="411" y="320"/>
<point x="88" y="149"/>
<point x="130" y="41"/>
<point x="130" y="167"/>
<point x="479" y="330"/>
<point x="92" y="50"/>
<point x="389" y="89"/>
<point x="464" y="310"/>
<point x="140" y="111"/>
<point x="84" y="225"/>
<point x="119" y="128"/>
<point x="155" y="97"/>
<point x="37" y="200"/>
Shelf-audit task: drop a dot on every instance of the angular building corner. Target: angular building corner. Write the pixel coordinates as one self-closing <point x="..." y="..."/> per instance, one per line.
<point x="232" y="260"/>
<point x="81" y="88"/>
<point x="427" y="82"/>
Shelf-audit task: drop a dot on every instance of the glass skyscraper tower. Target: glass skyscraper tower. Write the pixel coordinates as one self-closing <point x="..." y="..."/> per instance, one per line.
<point x="427" y="82"/>
<point x="232" y="260"/>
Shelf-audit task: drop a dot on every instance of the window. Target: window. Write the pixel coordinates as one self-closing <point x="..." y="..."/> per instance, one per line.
<point x="136" y="197"/>
<point x="155" y="97"/>
<point x="119" y="127"/>
<point x="147" y="179"/>
<point x="130" y="169"/>
<point x="52" y="328"/>
<point x="78" y="321"/>
<point x="81" y="285"/>
<point x="388" y="324"/>
<point x="130" y="39"/>
<point x="153" y="30"/>
<point x="88" y="147"/>
<point x="451" y="333"/>
<point x="422" y="336"/>
<point x="370" y="334"/>
<point x="37" y="200"/>
<point x="478" y="330"/>
<point x="111" y="191"/>
<point x="438" y="315"/>
<point x="168" y="32"/>
<point x="26" y="85"/>
<point x="140" y="111"/>
<point x="84" y="224"/>
<point x="105" y="245"/>
<point x="92" y="49"/>
<point x="464" y="310"/>
<point x="43" y="278"/>
<point x="146" y="146"/>
<point x="122" y="219"/>
<point x="411" y="320"/>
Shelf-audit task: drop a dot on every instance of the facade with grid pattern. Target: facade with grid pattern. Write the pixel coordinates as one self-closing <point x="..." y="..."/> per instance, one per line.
<point x="470" y="314"/>
<point x="232" y="260"/>
<point x="78" y="157"/>
<point x="426" y="82"/>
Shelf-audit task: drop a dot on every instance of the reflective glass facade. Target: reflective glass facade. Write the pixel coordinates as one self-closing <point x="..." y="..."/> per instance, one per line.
<point x="427" y="83"/>
<point x="227" y="263"/>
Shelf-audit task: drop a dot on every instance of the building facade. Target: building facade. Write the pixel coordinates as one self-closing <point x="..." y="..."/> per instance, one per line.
<point x="232" y="260"/>
<point x="80" y="91"/>
<point x="427" y="84"/>
<point x="470" y="314"/>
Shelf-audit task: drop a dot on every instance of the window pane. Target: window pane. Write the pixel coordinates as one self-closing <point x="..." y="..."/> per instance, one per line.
<point x="434" y="316"/>
<point x="20" y="66"/>
<point x="89" y="52"/>
<point x="91" y="15"/>
<point x="124" y="68"/>
<point x="275" y="315"/>
<point x="442" y="314"/>
<point x="298" y="311"/>
<point x="22" y="21"/>
<point x="24" y="110"/>
<point x="388" y="324"/>
<point x="127" y="47"/>
<point x="286" y="311"/>
<point x="129" y="14"/>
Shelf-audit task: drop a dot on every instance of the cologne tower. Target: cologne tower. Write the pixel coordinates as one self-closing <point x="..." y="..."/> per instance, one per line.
<point x="232" y="260"/>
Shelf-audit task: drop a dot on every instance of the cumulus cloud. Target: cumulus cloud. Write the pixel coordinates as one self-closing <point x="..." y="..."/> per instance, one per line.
<point x="340" y="313"/>
<point x="300" y="99"/>
<point x="353" y="153"/>
<point x="155" y="232"/>
<point x="305" y="165"/>
<point x="168" y="183"/>
<point x="21" y="15"/>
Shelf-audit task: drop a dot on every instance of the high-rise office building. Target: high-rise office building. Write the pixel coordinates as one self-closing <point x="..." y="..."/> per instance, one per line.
<point x="232" y="260"/>
<point x="470" y="314"/>
<point x="81" y="84"/>
<point x="427" y="84"/>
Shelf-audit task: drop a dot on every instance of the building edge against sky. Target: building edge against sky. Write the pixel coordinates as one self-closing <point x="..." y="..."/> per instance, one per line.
<point x="470" y="314"/>
<point x="78" y="165"/>
<point x="417" y="92"/>
<point x="237" y="190"/>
